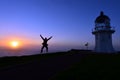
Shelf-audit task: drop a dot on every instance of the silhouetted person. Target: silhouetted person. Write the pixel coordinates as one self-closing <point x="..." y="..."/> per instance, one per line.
<point x="44" y="44"/>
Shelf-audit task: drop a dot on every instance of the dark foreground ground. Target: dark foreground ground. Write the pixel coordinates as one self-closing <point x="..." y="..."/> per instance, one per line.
<point x="72" y="65"/>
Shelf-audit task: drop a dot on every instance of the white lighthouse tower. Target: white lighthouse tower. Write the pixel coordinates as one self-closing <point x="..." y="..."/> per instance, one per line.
<point x="103" y="34"/>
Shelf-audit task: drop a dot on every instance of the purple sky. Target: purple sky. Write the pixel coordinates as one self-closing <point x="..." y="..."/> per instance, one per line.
<point x="70" y="22"/>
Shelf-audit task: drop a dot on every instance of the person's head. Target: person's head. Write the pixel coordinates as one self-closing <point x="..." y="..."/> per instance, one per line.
<point x="45" y="38"/>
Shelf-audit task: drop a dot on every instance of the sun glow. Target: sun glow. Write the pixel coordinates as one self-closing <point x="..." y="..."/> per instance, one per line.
<point x="14" y="44"/>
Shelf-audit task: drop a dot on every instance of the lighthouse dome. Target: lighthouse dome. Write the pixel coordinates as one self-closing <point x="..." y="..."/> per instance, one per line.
<point x="102" y="18"/>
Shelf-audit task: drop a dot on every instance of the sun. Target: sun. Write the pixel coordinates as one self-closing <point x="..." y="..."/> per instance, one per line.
<point x="14" y="44"/>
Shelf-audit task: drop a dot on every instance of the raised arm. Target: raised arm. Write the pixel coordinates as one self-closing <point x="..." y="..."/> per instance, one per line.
<point x="41" y="37"/>
<point x="49" y="38"/>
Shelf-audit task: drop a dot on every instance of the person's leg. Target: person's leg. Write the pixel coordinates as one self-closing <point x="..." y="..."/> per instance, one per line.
<point x="46" y="48"/>
<point x="42" y="49"/>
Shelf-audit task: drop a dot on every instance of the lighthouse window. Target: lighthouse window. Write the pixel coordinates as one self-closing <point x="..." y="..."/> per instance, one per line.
<point x="102" y="24"/>
<point x="107" y="24"/>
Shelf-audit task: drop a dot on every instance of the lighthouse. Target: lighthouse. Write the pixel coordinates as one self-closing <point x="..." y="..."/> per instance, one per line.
<point x="103" y="34"/>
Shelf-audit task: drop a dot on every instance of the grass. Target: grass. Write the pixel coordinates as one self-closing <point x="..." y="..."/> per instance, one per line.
<point x="6" y="62"/>
<point x="94" y="66"/>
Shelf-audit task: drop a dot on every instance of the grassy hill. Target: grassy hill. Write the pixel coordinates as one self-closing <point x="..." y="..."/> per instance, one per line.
<point x="74" y="64"/>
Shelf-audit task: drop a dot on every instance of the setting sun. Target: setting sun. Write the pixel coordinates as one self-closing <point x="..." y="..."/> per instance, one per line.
<point x="14" y="44"/>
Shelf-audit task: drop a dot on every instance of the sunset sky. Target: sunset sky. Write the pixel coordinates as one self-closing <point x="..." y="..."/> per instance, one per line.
<point x="70" y="22"/>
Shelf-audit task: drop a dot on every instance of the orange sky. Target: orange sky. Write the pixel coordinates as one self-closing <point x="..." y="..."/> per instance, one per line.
<point x="23" y="42"/>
